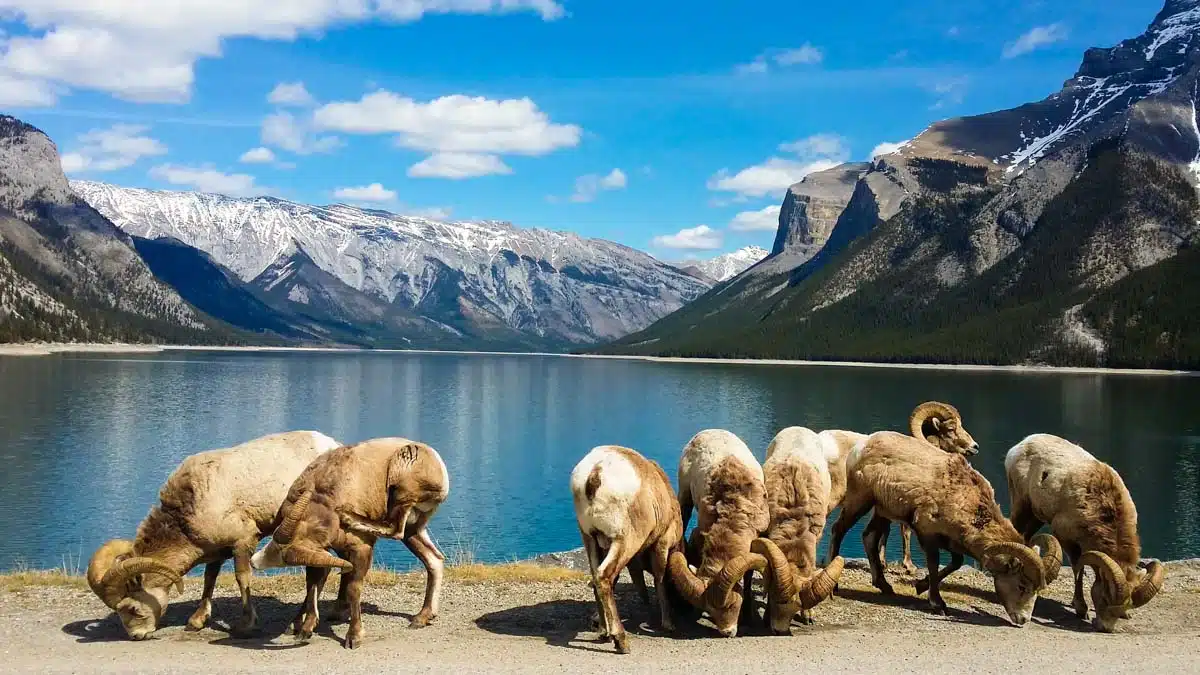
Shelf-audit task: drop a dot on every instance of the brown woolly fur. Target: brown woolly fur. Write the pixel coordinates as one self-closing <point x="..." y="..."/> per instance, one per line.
<point x="214" y="506"/>
<point x="345" y="500"/>
<point x="628" y="517"/>
<point x="1088" y="508"/>
<point x="719" y="475"/>
<point x="949" y="505"/>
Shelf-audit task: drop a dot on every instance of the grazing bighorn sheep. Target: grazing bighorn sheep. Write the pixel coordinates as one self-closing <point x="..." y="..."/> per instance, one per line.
<point x="941" y="425"/>
<point x="216" y="505"/>
<point x="627" y="516"/>
<point x="950" y="506"/>
<point x="1084" y="501"/>
<point x="799" y="487"/>
<point x="718" y="473"/>
<point x="345" y="500"/>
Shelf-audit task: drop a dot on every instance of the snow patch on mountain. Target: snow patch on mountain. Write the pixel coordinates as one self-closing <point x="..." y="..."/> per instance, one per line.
<point x="555" y="285"/>
<point x="728" y="265"/>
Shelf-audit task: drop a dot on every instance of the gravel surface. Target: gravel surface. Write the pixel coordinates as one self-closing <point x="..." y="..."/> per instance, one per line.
<point x="545" y="627"/>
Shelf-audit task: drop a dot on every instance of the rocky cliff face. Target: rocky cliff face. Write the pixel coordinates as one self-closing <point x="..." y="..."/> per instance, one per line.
<point x="994" y="238"/>
<point x="69" y="273"/>
<point x="811" y="209"/>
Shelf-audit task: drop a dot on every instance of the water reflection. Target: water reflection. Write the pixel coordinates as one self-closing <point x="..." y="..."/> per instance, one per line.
<point x="95" y="437"/>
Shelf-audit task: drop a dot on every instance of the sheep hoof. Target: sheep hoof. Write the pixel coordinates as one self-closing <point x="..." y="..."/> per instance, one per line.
<point x="806" y="618"/>
<point x="668" y="626"/>
<point x="421" y="620"/>
<point x="354" y="641"/>
<point x="885" y="588"/>
<point x="910" y="569"/>
<point x="303" y="636"/>
<point x="622" y="643"/>
<point x="194" y="625"/>
<point x="937" y="607"/>
<point x="1081" y="610"/>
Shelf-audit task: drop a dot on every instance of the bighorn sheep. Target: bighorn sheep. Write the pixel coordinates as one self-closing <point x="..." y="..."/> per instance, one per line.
<point x="215" y="505"/>
<point x="718" y="473"/>
<point x="345" y="500"/>
<point x="1084" y="501"/>
<point x="941" y="425"/>
<point x="627" y="516"/>
<point x="950" y="506"/>
<point x="799" y="486"/>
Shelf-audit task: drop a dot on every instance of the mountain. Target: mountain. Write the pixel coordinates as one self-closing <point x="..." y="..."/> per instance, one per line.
<point x="414" y="280"/>
<point x="725" y="266"/>
<point x="1048" y="233"/>
<point x="66" y="272"/>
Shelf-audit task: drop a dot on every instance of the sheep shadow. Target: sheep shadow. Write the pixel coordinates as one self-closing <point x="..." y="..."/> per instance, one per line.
<point x="1057" y="614"/>
<point x="274" y="619"/>
<point x="568" y="624"/>
<point x="976" y="616"/>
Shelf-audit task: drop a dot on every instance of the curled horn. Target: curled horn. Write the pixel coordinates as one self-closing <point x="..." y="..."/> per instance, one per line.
<point x="690" y="586"/>
<point x="719" y="591"/>
<point x="821" y="586"/>
<point x="1052" y="555"/>
<point x="304" y="556"/>
<point x="925" y="411"/>
<point x="783" y="580"/>
<point x="115" y="582"/>
<point x="1031" y="565"/>
<point x="102" y="561"/>
<point x="1108" y="570"/>
<point x="287" y="529"/>
<point x="1150" y="585"/>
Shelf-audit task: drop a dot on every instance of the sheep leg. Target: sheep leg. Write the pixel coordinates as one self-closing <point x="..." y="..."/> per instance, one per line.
<point x="852" y="512"/>
<point x="434" y="561"/>
<point x="906" y="541"/>
<point x="685" y="505"/>
<point x="956" y="561"/>
<point x="637" y="572"/>
<point x="1024" y="520"/>
<point x="306" y="621"/>
<point x="592" y="549"/>
<point x="658" y="566"/>
<point x="341" y="607"/>
<point x="1078" y="603"/>
<point x="871" y="534"/>
<point x="932" y="555"/>
<point x="617" y="559"/>
<point x="360" y="556"/>
<point x="200" y="617"/>
<point x="242" y="573"/>
<point x="748" y="615"/>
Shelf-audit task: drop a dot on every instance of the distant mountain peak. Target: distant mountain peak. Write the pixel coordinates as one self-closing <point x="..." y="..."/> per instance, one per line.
<point x="727" y="265"/>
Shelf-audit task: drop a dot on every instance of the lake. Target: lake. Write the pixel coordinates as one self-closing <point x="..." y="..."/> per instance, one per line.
<point x="86" y="440"/>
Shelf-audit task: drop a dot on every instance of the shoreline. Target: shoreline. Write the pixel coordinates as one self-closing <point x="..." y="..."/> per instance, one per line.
<point x="47" y="349"/>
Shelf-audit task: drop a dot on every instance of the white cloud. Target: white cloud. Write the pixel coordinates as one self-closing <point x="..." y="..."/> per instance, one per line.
<point x="290" y="94"/>
<point x="432" y="212"/>
<point x="462" y="130"/>
<point x="140" y="52"/>
<point x="773" y="176"/>
<point x="208" y="179"/>
<point x="1036" y="38"/>
<point x="950" y="91"/>
<point x="458" y="165"/>
<point x="804" y="54"/>
<point x="699" y="238"/>
<point x="19" y="92"/>
<point x="287" y="132"/>
<point x="257" y="156"/>
<point x="589" y="185"/>
<point x="887" y="148"/>
<point x="375" y="192"/>
<point x="110" y="149"/>
<point x="763" y="220"/>
<point x="756" y="67"/>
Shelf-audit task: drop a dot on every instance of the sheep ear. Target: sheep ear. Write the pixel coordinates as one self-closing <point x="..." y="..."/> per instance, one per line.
<point x="936" y="423"/>
<point x="1001" y="563"/>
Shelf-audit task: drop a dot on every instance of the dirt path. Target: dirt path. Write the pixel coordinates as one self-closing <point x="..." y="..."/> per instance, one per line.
<point x="544" y="627"/>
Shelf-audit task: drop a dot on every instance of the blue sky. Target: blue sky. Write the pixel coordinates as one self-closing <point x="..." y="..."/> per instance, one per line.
<point x="669" y="127"/>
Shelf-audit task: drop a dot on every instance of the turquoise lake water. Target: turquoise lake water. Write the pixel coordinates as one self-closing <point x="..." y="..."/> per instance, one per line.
<point x="86" y="440"/>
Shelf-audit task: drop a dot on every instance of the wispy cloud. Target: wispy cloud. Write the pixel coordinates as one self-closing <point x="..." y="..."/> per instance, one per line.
<point x="805" y="54"/>
<point x="590" y="185"/>
<point x="1037" y="38"/>
<point x="110" y="149"/>
<point x="763" y="220"/>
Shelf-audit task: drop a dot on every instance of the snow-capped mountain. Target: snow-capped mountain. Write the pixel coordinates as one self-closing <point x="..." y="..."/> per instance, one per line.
<point x="727" y="265"/>
<point x="478" y="278"/>
<point x="1064" y="230"/>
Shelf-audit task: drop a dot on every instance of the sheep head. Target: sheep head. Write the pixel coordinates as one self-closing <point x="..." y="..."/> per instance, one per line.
<point x="1019" y="573"/>
<point x="289" y="547"/>
<point x="786" y="595"/>
<point x="136" y="588"/>
<point x="722" y="595"/>
<point x="1114" y="592"/>
<point x="941" y="425"/>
